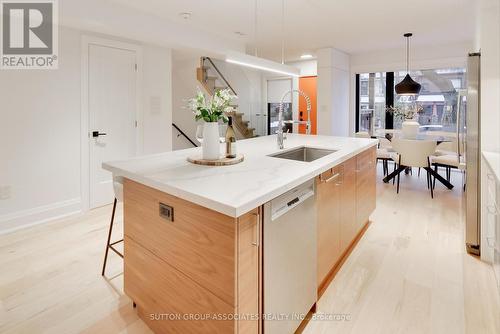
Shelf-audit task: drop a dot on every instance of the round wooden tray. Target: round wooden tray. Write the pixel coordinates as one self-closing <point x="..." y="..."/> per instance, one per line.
<point x="223" y="161"/>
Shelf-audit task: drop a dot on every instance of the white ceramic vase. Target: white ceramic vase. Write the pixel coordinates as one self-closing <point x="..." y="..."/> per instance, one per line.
<point x="210" y="145"/>
<point x="410" y="129"/>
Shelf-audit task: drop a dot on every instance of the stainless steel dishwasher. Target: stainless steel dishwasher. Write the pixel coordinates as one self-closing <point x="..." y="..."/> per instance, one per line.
<point x="289" y="259"/>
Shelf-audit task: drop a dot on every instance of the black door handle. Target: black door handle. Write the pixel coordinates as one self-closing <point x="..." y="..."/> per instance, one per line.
<point x="96" y="134"/>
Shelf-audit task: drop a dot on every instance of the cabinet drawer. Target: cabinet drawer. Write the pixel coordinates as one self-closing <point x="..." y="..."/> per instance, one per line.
<point x="160" y="289"/>
<point x="198" y="242"/>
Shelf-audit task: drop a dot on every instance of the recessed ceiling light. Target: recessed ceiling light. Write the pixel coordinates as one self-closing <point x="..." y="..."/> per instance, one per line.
<point x="185" y="15"/>
<point x="306" y="56"/>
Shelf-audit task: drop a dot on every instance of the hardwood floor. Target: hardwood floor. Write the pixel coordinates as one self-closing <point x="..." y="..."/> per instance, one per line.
<point x="408" y="274"/>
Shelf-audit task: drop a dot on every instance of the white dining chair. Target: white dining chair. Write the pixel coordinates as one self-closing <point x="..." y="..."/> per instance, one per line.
<point x="449" y="161"/>
<point x="449" y="155"/>
<point x="384" y="153"/>
<point x="414" y="153"/>
<point x="118" y="190"/>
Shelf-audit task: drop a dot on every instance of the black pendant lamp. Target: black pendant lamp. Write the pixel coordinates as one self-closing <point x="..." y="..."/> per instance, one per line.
<point x="408" y="86"/>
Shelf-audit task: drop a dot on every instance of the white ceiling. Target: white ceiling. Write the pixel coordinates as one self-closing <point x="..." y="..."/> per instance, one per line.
<point x="353" y="26"/>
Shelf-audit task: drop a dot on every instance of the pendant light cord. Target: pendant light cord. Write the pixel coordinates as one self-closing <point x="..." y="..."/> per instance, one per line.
<point x="255" y="28"/>
<point x="408" y="35"/>
<point x="407" y="54"/>
<point x="282" y="31"/>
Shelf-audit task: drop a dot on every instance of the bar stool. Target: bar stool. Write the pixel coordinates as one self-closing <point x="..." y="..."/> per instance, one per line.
<point x="118" y="189"/>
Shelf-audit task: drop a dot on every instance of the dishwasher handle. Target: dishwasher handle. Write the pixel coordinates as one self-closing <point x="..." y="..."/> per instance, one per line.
<point x="293" y="201"/>
<point x="282" y="209"/>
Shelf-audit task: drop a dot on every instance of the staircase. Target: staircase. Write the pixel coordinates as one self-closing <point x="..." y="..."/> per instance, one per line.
<point x="212" y="80"/>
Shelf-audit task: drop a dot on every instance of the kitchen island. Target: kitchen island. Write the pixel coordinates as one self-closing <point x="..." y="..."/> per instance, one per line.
<point x="194" y="235"/>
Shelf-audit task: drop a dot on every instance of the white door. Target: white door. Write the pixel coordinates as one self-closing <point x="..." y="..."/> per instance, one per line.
<point x="112" y="115"/>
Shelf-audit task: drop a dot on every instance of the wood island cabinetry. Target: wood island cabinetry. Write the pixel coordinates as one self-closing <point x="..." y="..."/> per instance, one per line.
<point x="191" y="269"/>
<point x="202" y="262"/>
<point x="346" y="197"/>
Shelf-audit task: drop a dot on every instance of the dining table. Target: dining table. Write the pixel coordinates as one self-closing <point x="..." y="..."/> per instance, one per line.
<point x="439" y="138"/>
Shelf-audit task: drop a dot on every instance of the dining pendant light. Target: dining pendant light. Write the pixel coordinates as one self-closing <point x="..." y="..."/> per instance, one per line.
<point x="408" y="86"/>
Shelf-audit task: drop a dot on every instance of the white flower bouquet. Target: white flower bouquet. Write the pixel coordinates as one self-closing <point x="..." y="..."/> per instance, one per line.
<point x="214" y="108"/>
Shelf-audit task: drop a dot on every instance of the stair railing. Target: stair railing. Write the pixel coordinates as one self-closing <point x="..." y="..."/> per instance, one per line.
<point x="181" y="133"/>
<point x="221" y="76"/>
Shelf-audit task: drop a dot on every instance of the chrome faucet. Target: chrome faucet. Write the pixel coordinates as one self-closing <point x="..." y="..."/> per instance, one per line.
<point x="281" y="123"/>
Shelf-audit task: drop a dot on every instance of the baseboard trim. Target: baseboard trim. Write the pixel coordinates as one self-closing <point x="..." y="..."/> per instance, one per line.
<point x="42" y="214"/>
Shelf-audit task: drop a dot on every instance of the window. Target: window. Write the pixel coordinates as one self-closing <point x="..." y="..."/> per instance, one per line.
<point x="441" y="91"/>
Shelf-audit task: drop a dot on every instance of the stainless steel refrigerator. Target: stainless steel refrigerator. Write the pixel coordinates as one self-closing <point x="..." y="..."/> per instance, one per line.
<point x="472" y="155"/>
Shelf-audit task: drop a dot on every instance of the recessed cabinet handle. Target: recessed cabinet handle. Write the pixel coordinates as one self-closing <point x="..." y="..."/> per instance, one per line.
<point x="257" y="228"/>
<point x="330" y="179"/>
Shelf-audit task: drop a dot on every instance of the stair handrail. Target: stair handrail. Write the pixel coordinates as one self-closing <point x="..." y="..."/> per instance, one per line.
<point x="183" y="134"/>
<point x="219" y="73"/>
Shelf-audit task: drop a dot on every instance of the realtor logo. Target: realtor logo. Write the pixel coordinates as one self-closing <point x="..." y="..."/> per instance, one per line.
<point x="29" y="34"/>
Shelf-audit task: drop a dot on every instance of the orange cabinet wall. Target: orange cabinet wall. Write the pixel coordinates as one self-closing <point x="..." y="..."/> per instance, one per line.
<point x="308" y="86"/>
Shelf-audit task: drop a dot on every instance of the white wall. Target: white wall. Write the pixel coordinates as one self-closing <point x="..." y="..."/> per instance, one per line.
<point x="40" y="138"/>
<point x="488" y="42"/>
<point x="423" y="57"/>
<point x="157" y="95"/>
<point x="333" y="92"/>
<point x="40" y="132"/>
<point x="489" y="45"/>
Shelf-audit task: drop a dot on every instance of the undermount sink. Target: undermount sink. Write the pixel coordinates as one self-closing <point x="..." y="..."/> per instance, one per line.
<point x="306" y="154"/>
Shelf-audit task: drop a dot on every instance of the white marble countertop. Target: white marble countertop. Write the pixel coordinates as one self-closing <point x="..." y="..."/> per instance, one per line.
<point x="493" y="161"/>
<point x="237" y="189"/>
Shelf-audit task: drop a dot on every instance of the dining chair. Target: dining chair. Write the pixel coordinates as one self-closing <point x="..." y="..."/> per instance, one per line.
<point x="414" y="153"/>
<point x="384" y="153"/>
<point x="449" y="155"/>
<point x="118" y="190"/>
<point x="449" y="162"/>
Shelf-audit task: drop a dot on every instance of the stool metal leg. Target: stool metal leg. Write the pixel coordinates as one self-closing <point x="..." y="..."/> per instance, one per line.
<point x="108" y="243"/>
